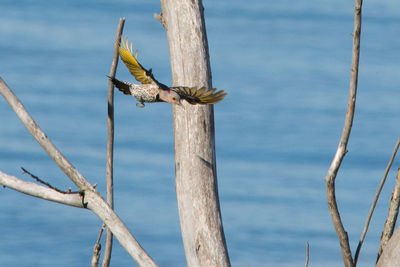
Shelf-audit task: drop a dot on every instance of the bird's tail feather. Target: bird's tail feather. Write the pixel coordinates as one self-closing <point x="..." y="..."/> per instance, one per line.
<point x="122" y="86"/>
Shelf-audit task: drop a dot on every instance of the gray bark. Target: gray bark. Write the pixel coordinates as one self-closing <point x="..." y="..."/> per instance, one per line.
<point x="110" y="141"/>
<point x="391" y="256"/>
<point x="195" y="163"/>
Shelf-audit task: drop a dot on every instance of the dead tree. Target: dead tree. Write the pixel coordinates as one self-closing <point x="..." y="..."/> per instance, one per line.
<point x="389" y="257"/>
<point x="195" y="162"/>
<point x="87" y="197"/>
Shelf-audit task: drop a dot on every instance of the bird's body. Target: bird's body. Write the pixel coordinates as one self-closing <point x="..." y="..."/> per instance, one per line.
<point x="153" y="91"/>
<point x="147" y="93"/>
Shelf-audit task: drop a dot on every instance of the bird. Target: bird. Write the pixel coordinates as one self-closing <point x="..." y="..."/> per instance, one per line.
<point x="150" y="90"/>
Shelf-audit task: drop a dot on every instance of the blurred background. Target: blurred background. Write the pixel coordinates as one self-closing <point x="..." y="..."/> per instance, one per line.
<point x="286" y="67"/>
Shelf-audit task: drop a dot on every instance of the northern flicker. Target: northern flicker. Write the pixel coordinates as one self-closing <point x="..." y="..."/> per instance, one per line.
<point x="150" y="90"/>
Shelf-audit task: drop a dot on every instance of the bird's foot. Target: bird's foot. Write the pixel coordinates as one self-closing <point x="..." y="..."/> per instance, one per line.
<point x="140" y="105"/>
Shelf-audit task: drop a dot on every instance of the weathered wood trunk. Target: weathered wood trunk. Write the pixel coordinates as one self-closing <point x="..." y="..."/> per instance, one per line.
<point x="391" y="256"/>
<point x="195" y="163"/>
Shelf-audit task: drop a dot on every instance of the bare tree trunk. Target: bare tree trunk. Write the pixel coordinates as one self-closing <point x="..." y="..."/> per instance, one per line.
<point x="195" y="163"/>
<point x="391" y="256"/>
<point x="392" y="216"/>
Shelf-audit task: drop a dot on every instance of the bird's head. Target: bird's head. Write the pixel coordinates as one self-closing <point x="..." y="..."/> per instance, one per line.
<point x="170" y="97"/>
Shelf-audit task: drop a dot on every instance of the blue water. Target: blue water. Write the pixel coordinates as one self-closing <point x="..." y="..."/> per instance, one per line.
<point x="286" y="67"/>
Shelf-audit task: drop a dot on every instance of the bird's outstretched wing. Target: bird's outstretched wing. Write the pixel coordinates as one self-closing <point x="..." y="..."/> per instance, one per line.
<point x="199" y="96"/>
<point x="135" y="68"/>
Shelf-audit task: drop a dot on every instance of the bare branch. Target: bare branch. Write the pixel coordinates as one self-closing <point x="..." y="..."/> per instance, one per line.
<point x="342" y="148"/>
<point x="42" y="139"/>
<point x="392" y="216"/>
<point x="110" y="140"/>
<point x="92" y="198"/>
<point x="371" y="211"/>
<point x="97" y="248"/>
<point x="46" y="183"/>
<point x="93" y="202"/>
<point x="118" y="228"/>
<point x="307" y="253"/>
<point x="35" y="190"/>
<point x="390" y="255"/>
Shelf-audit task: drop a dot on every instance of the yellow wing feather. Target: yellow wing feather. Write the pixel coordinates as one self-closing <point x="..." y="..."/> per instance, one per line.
<point x="192" y="95"/>
<point x="200" y="96"/>
<point x="134" y="67"/>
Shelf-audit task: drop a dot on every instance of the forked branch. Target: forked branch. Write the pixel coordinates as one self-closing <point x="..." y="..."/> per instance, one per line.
<point x="93" y="199"/>
<point x="342" y="148"/>
<point x="40" y="191"/>
<point x="371" y="211"/>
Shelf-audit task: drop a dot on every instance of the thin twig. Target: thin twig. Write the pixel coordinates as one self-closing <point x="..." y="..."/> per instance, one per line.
<point x="97" y="247"/>
<point x="392" y="216"/>
<point x="307" y="253"/>
<point x="47" y="184"/>
<point x="342" y="148"/>
<point x="371" y="210"/>
<point x="110" y="140"/>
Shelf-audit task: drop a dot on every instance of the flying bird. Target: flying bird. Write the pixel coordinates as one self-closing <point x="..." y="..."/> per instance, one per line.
<point x="150" y="90"/>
